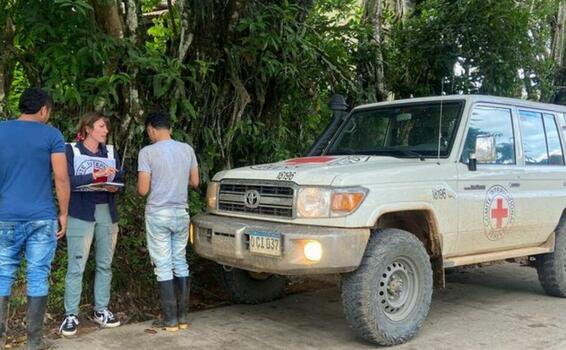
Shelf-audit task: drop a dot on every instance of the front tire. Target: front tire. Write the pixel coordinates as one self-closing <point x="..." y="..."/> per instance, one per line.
<point x="245" y="287"/>
<point x="551" y="268"/>
<point x="387" y="299"/>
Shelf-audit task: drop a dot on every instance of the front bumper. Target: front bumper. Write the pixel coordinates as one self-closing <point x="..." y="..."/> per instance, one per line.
<point x="223" y="239"/>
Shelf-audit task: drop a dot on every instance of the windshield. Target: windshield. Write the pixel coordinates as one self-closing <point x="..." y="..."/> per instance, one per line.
<point x="402" y="131"/>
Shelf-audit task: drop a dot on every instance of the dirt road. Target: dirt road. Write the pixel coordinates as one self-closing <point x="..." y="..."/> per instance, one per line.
<point x="497" y="307"/>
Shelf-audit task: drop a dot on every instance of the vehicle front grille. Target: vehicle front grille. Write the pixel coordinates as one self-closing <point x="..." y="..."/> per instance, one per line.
<point x="274" y="199"/>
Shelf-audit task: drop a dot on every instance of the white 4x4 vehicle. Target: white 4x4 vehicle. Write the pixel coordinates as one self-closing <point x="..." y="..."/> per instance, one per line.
<point x="401" y="191"/>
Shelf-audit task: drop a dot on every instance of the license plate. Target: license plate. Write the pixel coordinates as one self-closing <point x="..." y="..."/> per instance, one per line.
<point x="265" y="243"/>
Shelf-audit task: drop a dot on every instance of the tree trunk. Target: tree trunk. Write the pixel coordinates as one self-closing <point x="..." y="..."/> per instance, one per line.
<point x="187" y="30"/>
<point x="6" y="65"/>
<point x="133" y="12"/>
<point x="107" y="15"/>
<point x="557" y="54"/>
<point x="401" y="9"/>
<point x="370" y="66"/>
<point x="132" y="105"/>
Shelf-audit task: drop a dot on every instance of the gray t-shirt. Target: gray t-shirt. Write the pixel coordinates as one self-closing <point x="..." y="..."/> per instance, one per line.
<point x="169" y="162"/>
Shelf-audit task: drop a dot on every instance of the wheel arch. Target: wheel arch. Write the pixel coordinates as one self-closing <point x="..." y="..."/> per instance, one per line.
<point x="423" y="224"/>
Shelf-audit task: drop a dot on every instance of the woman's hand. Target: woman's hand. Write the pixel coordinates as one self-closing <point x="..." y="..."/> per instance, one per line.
<point x="106" y="172"/>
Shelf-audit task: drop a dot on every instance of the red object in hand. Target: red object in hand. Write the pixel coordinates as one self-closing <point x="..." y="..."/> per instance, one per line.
<point x="100" y="178"/>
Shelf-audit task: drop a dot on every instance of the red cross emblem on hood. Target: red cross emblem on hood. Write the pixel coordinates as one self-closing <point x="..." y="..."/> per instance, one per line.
<point x="310" y="160"/>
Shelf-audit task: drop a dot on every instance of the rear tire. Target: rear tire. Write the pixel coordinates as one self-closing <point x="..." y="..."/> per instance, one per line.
<point x="245" y="287"/>
<point x="551" y="267"/>
<point x="387" y="299"/>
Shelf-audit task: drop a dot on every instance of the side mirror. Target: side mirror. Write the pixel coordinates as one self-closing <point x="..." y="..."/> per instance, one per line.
<point x="486" y="152"/>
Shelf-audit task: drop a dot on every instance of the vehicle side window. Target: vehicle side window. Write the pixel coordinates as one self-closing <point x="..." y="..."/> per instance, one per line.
<point x="533" y="138"/>
<point x="491" y="121"/>
<point x="555" y="154"/>
<point x="541" y="141"/>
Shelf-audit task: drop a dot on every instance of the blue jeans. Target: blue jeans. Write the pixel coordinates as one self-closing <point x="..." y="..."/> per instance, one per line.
<point x="79" y="239"/>
<point x="167" y="233"/>
<point x="38" y="240"/>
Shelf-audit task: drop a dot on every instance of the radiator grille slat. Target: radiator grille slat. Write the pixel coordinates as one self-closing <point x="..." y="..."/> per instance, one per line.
<point x="275" y="199"/>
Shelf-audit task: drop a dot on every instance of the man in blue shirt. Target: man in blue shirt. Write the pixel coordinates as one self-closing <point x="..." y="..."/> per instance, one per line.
<point x="30" y="151"/>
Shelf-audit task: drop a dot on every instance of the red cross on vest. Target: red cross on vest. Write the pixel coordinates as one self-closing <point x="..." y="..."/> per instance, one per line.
<point x="499" y="213"/>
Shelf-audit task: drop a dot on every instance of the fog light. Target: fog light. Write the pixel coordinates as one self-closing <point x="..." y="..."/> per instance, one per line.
<point x="313" y="250"/>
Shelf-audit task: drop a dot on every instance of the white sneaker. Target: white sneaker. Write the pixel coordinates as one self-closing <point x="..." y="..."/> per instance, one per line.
<point x="69" y="325"/>
<point x="106" y="319"/>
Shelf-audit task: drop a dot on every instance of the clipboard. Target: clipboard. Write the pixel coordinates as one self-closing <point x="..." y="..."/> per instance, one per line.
<point x="99" y="186"/>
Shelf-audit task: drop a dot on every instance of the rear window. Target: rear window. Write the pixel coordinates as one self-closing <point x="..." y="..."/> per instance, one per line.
<point x="540" y="139"/>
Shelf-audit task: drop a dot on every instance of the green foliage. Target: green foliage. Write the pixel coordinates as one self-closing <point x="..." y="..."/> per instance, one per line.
<point x="159" y="33"/>
<point x="19" y="84"/>
<point x="471" y="47"/>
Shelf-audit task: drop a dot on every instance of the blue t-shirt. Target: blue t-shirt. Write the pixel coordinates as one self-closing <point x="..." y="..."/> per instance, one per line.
<point x="26" y="188"/>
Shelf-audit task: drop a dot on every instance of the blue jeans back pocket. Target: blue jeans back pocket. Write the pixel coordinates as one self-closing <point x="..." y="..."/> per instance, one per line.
<point x="43" y="230"/>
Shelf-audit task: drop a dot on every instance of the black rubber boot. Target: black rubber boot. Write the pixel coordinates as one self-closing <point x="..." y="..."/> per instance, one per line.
<point x="34" y="321"/>
<point x="3" y="320"/>
<point x="168" y="305"/>
<point x="183" y="289"/>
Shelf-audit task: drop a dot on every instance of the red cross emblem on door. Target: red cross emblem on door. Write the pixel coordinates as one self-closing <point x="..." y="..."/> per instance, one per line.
<point x="499" y="213"/>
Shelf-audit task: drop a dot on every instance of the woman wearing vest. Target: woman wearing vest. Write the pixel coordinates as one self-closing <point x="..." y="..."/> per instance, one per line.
<point x="92" y="215"/>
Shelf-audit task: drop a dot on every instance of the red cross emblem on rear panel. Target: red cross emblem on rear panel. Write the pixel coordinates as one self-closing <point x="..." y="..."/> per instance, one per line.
<point x="498" y="212"/>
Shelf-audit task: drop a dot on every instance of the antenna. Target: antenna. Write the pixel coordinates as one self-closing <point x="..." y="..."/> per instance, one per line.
<point x="440" y="122"/>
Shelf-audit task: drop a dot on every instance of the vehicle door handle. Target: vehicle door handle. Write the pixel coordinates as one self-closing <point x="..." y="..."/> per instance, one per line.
<point x="515" y="184"/>
<point x="475" y="188"/>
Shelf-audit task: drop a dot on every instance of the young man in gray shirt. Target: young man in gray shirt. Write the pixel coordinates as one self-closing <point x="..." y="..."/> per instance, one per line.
<point x="166" y="169"/>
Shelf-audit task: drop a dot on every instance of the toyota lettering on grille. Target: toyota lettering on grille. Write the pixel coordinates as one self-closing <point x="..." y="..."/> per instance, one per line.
<point x="251" y="199"/>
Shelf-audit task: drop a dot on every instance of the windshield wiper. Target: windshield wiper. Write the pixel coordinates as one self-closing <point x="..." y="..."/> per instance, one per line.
<point x="406" y="152"/>
<point x="343" y="152"/>
<point x="385" y="151"/>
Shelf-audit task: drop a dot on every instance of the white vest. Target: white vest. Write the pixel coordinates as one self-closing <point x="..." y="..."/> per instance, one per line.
<point x="84" y="164"/>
